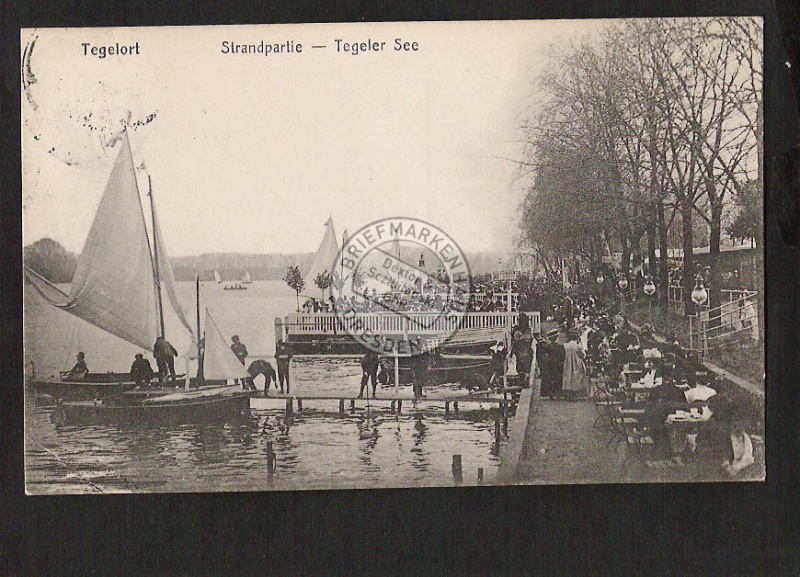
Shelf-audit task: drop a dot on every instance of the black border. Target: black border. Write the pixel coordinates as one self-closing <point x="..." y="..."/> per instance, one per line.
<point x="733" y="529"/>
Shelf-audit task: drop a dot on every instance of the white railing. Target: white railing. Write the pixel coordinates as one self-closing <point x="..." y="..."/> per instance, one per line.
<point x="728" y="295"/>
<point x="730" y="323"/>
<point x="414" y="323"/>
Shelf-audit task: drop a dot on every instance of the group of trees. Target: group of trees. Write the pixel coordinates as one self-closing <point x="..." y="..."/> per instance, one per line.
<point x="51" y="260"/>
<point x="652" y="128"/>
<point x="323" y="281"/>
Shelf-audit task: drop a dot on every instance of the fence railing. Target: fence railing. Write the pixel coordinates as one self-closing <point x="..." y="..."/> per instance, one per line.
<point x="412" y="323"/>
<point x="732" y="322"/>
<point x="675" y="295"/>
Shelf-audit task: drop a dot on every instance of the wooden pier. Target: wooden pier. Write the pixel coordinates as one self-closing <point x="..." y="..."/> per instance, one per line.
<point x="492" y="397"/>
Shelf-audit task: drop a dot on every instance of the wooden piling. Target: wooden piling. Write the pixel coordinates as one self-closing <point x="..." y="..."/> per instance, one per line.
<point x="289" y="406"/>
<point x="497" y="427"/>
<point x="270" y="462"/>
<point x="341" y="407"/>
<point x="446" y="409"/>
<point x="505" y="419"/>
<point x="299" y="405"/>
<point x="399" y="407"/>
<point x="455" y="407"/>
<point x="352" y="405"/>
<point x="480" y="475"/>
<point x="457" y="473"/>
<point x="391" y="407"/>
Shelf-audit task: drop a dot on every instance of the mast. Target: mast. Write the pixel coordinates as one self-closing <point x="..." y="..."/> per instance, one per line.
<point x="200" y="379"/>
<point x="155" y="255"/>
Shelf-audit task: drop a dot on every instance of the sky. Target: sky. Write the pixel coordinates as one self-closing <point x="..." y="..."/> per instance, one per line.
<point x="253" y="153"/>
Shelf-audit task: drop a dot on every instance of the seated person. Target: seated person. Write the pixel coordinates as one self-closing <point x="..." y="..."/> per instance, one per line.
<point x="141" y="371"/>
<point x="668" y="368"/>
<point x="699" y="392"/>
<point x="80" y="370"/>
<point x="722" y="447"/>
<point x="384" y="377"/>
<point x="663" y="401"/>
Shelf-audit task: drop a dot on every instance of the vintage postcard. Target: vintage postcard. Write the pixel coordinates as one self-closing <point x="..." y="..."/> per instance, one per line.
<point x="339" y="256"/>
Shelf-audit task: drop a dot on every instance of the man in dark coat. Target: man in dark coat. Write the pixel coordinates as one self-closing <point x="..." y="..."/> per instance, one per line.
<point x="553" y="368"/>
<point x="262" y="367"/>
<point x="523" y="353"/>
<point x="283" y="358"/>
<point x="141" y="371"/>
<point x="369" y="371"/>
<point x="541" y="353"/>
<point x="164" y="354"/>
<point x="420" y="368"/>
<point x="240" y="351"/>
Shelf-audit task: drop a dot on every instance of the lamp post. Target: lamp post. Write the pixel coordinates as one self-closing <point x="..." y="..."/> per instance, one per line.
<point x="649" y="289"/>
<point x="622" y="284"/>
<point x="699" y="297"/>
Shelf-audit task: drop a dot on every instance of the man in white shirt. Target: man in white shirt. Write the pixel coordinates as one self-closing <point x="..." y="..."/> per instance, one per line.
<point x="699" y="393"/>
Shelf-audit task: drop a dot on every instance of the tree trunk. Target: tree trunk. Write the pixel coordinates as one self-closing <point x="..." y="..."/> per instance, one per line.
<point x="663" y="267"/>
<point x="651" y="249"/>
<point x="626" y="258"/>
<point x="759" y="268"/>
<point x="688" y="259"/>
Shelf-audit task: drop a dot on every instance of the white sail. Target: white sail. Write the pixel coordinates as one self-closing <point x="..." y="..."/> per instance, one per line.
<point x="246" y="277"/>
<point x="217" y="277"/>
<point x="114" y="287"/>
<point x="167" y="277"/>
<point x="326" y="259"/>
<point x="219" y="362"/>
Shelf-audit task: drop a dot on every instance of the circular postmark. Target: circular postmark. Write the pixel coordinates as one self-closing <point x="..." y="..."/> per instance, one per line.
<point x="401" y="285"/>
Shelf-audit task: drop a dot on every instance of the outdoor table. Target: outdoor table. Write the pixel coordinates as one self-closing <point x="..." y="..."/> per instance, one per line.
<point x="681" y="424"/>
<point x="639" y="391"/>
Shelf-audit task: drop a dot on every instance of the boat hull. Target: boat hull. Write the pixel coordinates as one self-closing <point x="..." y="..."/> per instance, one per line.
<point x="94" y="386"/>
<point x="132" y="411"/>
<point x="469" y="371"/>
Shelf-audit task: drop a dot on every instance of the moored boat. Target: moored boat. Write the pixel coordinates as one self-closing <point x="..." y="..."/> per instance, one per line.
<point x="118" y="287"/>
<point x="148" y="408"/>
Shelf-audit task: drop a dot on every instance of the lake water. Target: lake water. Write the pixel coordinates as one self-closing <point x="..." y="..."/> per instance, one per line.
<point x="317" y="449"/>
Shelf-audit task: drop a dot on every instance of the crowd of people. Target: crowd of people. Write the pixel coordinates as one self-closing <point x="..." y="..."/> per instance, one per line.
<point x="600" y="344"/>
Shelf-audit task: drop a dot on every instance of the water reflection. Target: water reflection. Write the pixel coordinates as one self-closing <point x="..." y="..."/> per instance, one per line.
<point x="315" y="449"/>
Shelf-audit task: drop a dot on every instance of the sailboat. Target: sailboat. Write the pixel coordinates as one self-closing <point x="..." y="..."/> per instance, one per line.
<point x="246" y="278"/>
<point x="217" y="278"/>
<point x="325" y="259"/>
<point x="205" y="404"/>
<point x="119" y="280"/>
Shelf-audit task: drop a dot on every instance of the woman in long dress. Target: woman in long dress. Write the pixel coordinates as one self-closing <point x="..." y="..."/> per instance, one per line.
<point x="575" y="375"/>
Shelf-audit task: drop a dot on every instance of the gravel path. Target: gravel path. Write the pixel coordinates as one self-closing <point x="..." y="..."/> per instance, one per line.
<point x="561" y="446"/>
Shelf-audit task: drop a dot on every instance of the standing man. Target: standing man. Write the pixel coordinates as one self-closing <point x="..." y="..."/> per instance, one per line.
<point x="240" y="351"/>
<point x="164" y="354"/>
<point x="541" y="356"/>
<point x="369" y="371"/>
<point x="569" y="311"/>
<point x="283" y="358"/>
<point x="522" y="350"/>
<point x="553" y="367"/>
<point x="420" y="365"/>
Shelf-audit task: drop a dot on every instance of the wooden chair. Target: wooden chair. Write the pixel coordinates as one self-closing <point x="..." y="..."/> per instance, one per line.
<point x="638" y="443"/>
<point x="604" y="402"/>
